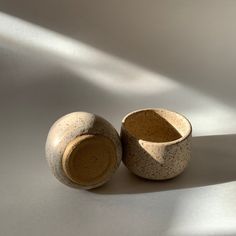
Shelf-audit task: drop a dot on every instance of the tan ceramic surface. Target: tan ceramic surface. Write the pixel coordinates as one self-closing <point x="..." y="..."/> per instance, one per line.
<point x="156" y="143"/>
<point x="83" y="150"/>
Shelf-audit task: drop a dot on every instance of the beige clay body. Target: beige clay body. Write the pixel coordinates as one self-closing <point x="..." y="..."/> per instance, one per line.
<point x="83" y="150"/>
<point x="156" y="143"/>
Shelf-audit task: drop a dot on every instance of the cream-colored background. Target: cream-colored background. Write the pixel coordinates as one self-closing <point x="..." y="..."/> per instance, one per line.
<point x="112" y="57"/>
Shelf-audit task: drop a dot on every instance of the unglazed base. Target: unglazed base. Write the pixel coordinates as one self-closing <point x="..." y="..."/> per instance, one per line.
<point x="83" y="150"/>
<point x="89" y="159"/>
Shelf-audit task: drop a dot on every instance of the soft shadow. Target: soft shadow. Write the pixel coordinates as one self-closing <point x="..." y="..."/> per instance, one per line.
<point x="213" y="162"/>
<point x="196" y="51"/>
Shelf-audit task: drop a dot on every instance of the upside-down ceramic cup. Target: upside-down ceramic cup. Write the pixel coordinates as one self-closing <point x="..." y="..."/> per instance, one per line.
<point x="156" y="143"/>
<point x="83" y="150"/>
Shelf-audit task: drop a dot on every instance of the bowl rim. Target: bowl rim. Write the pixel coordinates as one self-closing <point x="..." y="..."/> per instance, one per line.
<point x="176" y="141"/>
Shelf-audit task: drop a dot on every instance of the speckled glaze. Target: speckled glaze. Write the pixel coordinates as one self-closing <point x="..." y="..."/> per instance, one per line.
<point x="71" y="130"/>
<point x="156" y="143"/>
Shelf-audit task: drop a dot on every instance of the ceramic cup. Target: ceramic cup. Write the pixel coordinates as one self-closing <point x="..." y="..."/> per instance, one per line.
<point x="156" y="143"/>
<point x="83" y="150"/>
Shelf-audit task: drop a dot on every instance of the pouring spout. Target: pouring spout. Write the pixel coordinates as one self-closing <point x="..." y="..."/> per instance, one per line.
<point x="155" y="150"/>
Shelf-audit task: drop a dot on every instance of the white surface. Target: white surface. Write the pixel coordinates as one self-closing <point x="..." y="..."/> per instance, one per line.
<point x="181" y="56"/>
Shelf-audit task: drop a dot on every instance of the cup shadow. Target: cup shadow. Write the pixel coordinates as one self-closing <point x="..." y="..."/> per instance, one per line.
<point x="213" y="162"/>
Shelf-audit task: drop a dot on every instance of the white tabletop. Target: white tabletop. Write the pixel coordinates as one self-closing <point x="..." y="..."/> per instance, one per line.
<point x="110" y="59"/>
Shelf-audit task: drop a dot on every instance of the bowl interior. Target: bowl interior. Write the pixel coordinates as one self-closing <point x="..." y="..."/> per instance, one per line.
<point x="156" y="125"/>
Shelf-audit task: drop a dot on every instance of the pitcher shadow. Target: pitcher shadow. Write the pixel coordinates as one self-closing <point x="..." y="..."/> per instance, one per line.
<point x="213" y="162"/>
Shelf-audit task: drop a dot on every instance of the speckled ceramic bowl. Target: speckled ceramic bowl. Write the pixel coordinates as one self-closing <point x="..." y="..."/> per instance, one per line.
<point x="156" y="143"/>
<point x="83" y="150"/>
